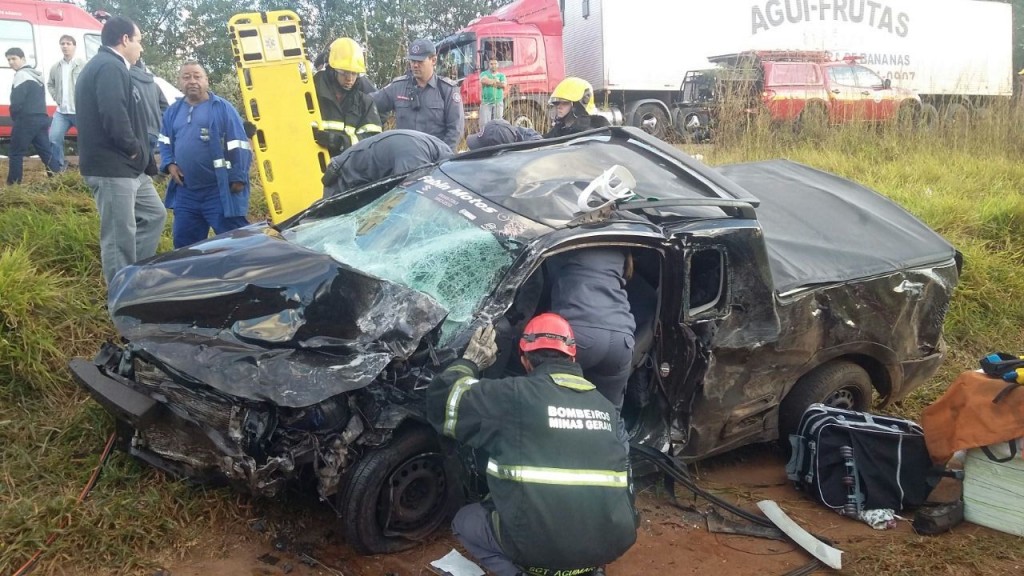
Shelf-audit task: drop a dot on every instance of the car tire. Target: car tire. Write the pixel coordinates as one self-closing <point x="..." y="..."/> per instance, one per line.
<point x="397" y="494"/>
<point x="651" y="119"/>
<point x="813" y="120"/>
<point x="839" y="384"/>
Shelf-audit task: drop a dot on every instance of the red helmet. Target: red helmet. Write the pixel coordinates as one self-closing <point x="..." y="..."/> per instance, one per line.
<point x="548" y="332"/>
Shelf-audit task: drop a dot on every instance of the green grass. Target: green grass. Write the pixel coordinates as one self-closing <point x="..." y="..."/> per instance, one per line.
<point x="968" y="186"/>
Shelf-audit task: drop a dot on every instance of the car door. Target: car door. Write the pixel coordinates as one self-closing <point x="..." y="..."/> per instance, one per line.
<point x="846" y="100"/>
<point x="879" y="100"/>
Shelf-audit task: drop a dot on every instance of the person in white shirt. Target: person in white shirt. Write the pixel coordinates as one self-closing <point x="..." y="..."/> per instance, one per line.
<point x="61" y="85"/>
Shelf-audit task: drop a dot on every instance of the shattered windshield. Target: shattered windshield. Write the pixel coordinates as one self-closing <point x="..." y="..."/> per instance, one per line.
<point x="413" y="240"/>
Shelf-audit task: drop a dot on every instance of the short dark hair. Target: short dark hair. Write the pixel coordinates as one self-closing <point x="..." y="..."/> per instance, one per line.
<point x="116" y="28"/>
<point x="15" y="52"/>
<point x="537" y="357"/>
<point x="68" y="37"/>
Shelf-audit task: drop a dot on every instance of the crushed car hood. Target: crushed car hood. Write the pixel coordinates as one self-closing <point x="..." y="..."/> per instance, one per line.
<point x="255" y="316"/>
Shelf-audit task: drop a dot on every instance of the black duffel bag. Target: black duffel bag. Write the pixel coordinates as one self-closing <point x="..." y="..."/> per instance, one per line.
<point x="853" y="461"/>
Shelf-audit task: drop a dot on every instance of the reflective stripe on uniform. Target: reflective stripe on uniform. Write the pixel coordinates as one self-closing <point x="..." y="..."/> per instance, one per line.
<point x="219" y="163"/>
<point x="232" y="144"/>
<point x="163" y="139"/>
<point x="333" y="125"/>
<point x="461" y="386"/>
<point x="369" y="129"/>
<point x="559" y="476"/>
<point x="572" y="382"/>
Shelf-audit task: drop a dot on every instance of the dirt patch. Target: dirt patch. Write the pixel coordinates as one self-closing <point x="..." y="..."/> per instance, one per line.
<point x="670" y="540"/>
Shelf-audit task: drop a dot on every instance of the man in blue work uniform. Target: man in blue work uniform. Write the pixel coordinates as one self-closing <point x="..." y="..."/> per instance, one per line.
<point x="559" y="499"/>
<point x="380" y="156"/>
<point x="422" y="100"/>
<point x="588" y="288"/>
<point x="204" y="148"/>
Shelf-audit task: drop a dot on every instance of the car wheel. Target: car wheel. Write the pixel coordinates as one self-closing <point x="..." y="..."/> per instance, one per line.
<point x="813" y="119"/>
<point x="397" y="494"/>
<point x="651" y="119"/>
<point x="908" y="116"/>
<point x="839" y="384"/>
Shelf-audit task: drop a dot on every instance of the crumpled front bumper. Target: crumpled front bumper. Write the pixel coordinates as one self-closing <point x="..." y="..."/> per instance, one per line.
<point x="195" y="436"/>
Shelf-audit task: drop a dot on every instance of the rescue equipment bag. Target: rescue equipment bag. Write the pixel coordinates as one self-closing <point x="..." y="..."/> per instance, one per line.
<point x="854" y="461"/>
<point x="976" y="410"/>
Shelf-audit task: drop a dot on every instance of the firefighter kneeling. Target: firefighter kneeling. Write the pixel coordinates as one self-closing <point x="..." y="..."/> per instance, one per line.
<point x="559" y="502"/>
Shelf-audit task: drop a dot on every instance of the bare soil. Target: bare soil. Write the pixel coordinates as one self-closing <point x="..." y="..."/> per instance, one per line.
<point x="670" y="540"/>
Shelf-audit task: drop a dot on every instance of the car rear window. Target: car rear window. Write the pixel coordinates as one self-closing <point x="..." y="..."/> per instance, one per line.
<point x="794" y="73"/>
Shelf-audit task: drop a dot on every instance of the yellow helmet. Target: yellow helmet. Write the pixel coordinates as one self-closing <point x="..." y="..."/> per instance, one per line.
<point x="574" y="89"/>
<point x="347" y="55"/>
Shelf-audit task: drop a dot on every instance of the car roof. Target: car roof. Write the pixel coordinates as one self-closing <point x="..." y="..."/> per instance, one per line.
<point x="542" y="180"/>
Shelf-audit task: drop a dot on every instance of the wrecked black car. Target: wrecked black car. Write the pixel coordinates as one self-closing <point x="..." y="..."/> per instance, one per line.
<point x="300" y="352"/>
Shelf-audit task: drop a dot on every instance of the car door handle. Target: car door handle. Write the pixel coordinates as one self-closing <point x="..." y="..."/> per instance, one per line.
<point x="865" y="93"/>
<point x="836" y="90"/>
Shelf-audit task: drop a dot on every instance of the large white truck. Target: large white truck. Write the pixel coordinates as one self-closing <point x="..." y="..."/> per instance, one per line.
<point x="955" y="53"/>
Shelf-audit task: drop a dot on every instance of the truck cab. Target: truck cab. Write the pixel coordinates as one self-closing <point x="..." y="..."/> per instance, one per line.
<point x="526" y="39"/>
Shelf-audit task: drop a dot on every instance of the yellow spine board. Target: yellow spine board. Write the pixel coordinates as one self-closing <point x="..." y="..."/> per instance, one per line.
<point x="276" y="79"/>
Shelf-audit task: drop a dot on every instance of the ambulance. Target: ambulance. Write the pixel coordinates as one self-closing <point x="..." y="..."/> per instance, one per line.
<point x="36" y="26"/>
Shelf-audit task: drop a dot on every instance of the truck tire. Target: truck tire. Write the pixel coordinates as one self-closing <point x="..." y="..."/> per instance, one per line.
<point x="957" y="117"/>
<point x="839" y="384"/>
<point x="397" y="494"/>
<point x="651" y="119"/>
<point x="526" y="114"/>
<point x="929" y="118"/>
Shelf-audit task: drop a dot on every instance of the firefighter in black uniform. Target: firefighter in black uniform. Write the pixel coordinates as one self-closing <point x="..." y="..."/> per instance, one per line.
<point x="348" y="114"/>
<point x="559" y="499"/>
<point x="572" y="108"/>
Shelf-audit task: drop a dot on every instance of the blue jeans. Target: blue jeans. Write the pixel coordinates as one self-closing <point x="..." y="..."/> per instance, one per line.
<point x="58" y="128"/>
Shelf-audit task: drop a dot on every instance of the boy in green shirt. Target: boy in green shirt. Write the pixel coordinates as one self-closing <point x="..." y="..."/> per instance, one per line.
<point x="492" y="94"/>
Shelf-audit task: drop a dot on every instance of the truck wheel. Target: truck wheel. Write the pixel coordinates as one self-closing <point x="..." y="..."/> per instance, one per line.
<point x="929" y="117"/>
<point x="957" y="117"/>
<point x="526" y="115"/>
<point x="651" y="119"/>
<point x="397" y="494"/>
<point x="839" y="384"/>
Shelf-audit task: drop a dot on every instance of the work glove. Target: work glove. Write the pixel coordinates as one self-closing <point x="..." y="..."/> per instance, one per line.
<point x="332" y="140"/>
<point x="249" y="128"/>
<point x="482" y="349"/>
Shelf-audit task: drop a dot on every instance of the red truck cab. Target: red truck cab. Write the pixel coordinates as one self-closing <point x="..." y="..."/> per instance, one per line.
<point x="526" y="39"/>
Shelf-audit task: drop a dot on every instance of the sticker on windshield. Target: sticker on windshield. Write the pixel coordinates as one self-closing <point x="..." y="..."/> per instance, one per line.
<point x="481" y="212"/>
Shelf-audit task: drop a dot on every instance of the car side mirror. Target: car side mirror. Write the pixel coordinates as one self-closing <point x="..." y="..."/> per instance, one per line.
<point x="886" y="84"/>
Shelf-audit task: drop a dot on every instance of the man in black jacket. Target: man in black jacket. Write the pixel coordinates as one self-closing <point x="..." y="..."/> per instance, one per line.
<point x="348" y="114"/>
<point x="28" y="115"/>
<point x="115" y="156"/>
<point x="557" y="471"/>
